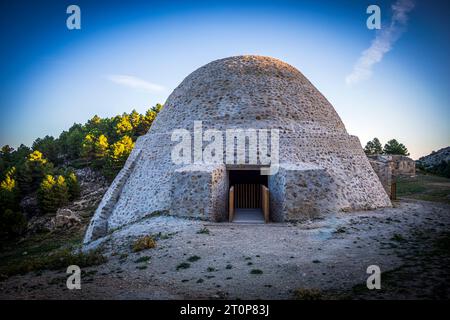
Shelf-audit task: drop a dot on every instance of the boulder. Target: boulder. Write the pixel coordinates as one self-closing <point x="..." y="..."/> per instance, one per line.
<point x="65" y="219"/>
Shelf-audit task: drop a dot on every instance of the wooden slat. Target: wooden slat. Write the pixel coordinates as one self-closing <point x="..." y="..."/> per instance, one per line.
<point x="245" y="195"/>
<point x="265" y="203"/>
<point x="239" y="196"/>
<point x="255" y="193"/>
<point x="231" y="205"/>
<point x="249" y="196"/>
<point x="254" y="196"/>
<point x="393" y="191"/>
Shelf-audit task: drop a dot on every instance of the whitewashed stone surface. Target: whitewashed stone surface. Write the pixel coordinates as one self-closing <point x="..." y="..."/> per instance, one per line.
<point x="322" y="167"/>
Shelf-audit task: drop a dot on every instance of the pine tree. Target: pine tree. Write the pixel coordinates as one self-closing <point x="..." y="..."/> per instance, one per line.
<point x="53" y="193"/>
<point x="122" y="149"/>
<point x="61" y="192"/>
<point x="47" y="200"/>
<point x="124" y="125"/>
<point x="101" y="147"/>
<point x="30" y="174"/>
<point x="93" y="125"/>
<point x="373" y="147"/>
<point x="70" y="142"/>
<point x="5" y="158"/>
<point x="135" y="118"/>
<point x="88" y="147"/>
<point x="118" y="154"/>
<point x="48" y="147"/>
<point x="394" y="147"/>
<point x="73" y="186"/>
<point x="9" y="192"/>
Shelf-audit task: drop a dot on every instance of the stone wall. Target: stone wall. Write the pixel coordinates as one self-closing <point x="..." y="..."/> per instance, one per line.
<point x="300" y="192"/>
<point x="99" y="224"/>
<point x="389" y="167"/>
<point x="403" y="166"/>
<point x="200" y="192"/>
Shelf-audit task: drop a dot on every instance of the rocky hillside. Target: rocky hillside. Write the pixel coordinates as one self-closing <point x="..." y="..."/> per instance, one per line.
<point x="435" y="158"/>
<point x="438" y="163"/>
<point x="43" y="181"/>
<point x="77" y="213"/>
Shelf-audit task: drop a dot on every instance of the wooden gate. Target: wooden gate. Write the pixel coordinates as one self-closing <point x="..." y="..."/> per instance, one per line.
<point x="248" y="196"/>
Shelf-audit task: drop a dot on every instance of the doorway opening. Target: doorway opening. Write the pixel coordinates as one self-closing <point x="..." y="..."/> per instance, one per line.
<point x="248" y="196"/>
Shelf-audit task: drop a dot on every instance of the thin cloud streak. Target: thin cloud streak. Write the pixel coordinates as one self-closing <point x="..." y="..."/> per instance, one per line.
<point x="135" y="83"/>
<point x="382" y="43"/>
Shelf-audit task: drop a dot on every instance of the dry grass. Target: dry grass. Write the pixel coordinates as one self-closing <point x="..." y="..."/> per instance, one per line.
<point x="144" y="243"/>
<point x="308" y="294"/>
<point x="424" y="187"/>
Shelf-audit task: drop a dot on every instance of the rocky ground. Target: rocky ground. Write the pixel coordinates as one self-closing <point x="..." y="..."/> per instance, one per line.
<point x="320" y="259"/>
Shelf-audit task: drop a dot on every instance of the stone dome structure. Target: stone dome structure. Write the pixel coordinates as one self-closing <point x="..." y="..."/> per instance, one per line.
<point x="321" y="167"/>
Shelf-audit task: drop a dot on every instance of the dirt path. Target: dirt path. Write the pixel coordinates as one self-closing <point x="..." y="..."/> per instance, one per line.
<point x="202" y="260"/>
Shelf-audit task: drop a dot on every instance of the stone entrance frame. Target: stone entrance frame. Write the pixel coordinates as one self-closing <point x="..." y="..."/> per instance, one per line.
<point x="297" y="192"/>
<point x="200" y="191"/>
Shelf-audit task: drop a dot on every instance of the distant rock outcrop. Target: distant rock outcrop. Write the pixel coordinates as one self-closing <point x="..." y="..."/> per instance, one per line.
<point x="435" y="158"/>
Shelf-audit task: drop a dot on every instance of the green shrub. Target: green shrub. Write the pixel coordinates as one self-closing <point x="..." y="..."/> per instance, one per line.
<point x="183" y="265"/>
<point x="203" y="230"/>
<point x="142" y="259"/>
<point x="256" y="271"/>
<point x="193" y="258"/>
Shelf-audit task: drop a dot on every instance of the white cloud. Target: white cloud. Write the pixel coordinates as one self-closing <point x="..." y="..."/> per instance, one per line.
<point x="135" y="83"/>
<point x="383" y="42"/>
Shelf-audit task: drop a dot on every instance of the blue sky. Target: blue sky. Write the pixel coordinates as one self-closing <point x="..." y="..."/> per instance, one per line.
<point x="132" y="54"/>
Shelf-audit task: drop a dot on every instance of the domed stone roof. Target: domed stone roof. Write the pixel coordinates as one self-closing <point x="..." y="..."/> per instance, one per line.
<point x="322" y="168"/>
<point x="243" y="89"/>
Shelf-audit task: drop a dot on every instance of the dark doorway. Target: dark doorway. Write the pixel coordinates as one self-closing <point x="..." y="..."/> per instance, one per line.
<point x="246" y="176"/>
<point x="247" y="187"/>
<point x="248" y="200"/>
